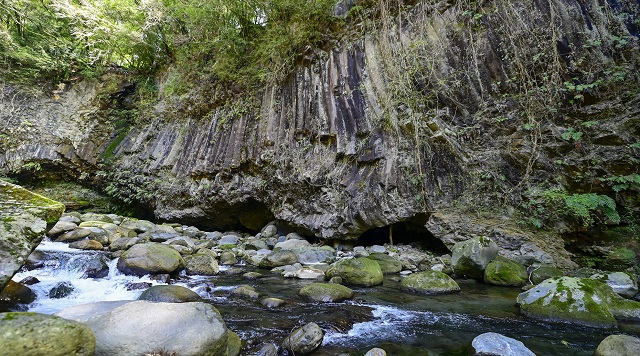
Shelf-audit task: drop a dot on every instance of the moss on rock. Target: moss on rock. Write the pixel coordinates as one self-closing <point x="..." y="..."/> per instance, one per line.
<point x="325" y="292"/>
<point x="505" y="272"/>
<point x="357" y="271"/>
<point x="430" y="282"/>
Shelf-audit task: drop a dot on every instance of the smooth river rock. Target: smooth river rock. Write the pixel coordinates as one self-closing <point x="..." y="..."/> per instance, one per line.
<point x="169" y="294"/>
<point x="430" y="282"/>
<point x="325" y="292"/>
<point x="494" y="344"/>
<point x="150" y="258"/>
<point x="357" y="271"/>
<point x="469" y="258"/>
<point x="304" y="340"/>
<point x="618" y="345"/>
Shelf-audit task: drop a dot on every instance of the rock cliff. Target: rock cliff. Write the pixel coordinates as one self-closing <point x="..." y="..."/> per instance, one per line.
<point x="456" y="114"/>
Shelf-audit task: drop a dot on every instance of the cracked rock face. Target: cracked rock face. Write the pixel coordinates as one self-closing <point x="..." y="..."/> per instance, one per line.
<point x="348" y="143"/>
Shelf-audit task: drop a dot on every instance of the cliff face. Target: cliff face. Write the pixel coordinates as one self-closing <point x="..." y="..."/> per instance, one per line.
<point x="444" y="114"/>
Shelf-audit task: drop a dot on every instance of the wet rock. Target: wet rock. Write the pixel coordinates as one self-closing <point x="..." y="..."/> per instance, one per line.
<point x="387" y="263"/>
<point x="325" y="292"/>
<point x="499" y="345"/>
<point x="357" y="271"/>
<point x="309" y="273"/>
<point x="265" y="350"/>
<point x="93" y="267"/>
<point x="581" y="301"/>
<point x="377" y="249"/>
<point x="74" y="235"/>
<point x="123" y="243"/>
<point x="40" y="334"/>
<point x="618" y="345"/>
<point x="542" y="273"/>
<point x="61" y="290"/>
<point x="376" y="352"/>
<point x="229" y="240"/>
<point x="17" y="293"/>
<point x="272" y="302"/>
<point x="469" y="258"/>
<point x="621" y="283"/>
<point x="619" y="259"/>
<point x="304" y="340"/>
<point x="279" y="258"/>
<point x="430" y="282"/>
<point x="61" y="227"/>
<point x="315" y="255"/>
<point x="252" y="275"/>
<point x="29" y="281"/>
<point x="234" y="344"/>
<point x="87" y="245"/>
<point x="138" y="226"/>
<point x="95" y="217"/>
<point x="202" y="264"/>
<point x="138" y="285"/>
<point x="141" y="327"/>
<point x="505" y="272"/>
<point x="247" y="291"/>
<point x="150" y="258"/>
<point x="292" y="244"/>
<point x="268" y="231"/>
<point x="169" y="294"/>
<point x="255" y="244"/>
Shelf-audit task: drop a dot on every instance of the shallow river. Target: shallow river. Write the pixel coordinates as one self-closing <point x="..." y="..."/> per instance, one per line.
<point x="384" y="316"/>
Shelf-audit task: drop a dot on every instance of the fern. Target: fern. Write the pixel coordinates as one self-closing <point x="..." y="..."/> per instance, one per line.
<point x="584" y="206"/>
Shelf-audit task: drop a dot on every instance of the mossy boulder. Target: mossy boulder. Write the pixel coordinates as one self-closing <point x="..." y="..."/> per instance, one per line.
<point x="542" y="273"/>
<point x="505" y="272"/>
<point x="150" y="258"/>
<point x="304" y="340"/>
<point x="169" y="294"/>
<point x="278" y="259"/>
<point x="387" y="263"/>
<point x="325" y="292"/>
<point x="618" y="259"/>
<point x="581" y="301"/>
<point x="24" y="217"/>
<point x="622" y="283"/>
<point x="469" y="258"/>
<point x="40" y="334"/>
<point x="202" y="264"/>
<point x="357" y="271"/>
<point x="234" y="344"/>
<point x="430" y="282"/>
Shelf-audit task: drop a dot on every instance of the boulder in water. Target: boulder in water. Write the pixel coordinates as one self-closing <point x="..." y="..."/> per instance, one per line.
<point x="169" y="294"/>
<point x="430" y="282"/>
<point x="61" y="290"/>
<point x="505" y="272"/>
<point x="279" y="258"/>
<point x="376" y="352"/>
<point x="40" y="334"/>
<point x="143" y="327"/>
<point x="17" y="293"/>
<point x="357" y="271"/>
<point x="621" y="283"/>
<point x="202" y="264"/>
<point x="387" y="263"/>
<point x="325" y="292"/>
<point x="581" y="301"/>
<point x="87" y="245"/>
<point x="500" y="345"/>
<point x="150" y="258"/>
<point x="618" y="345"/>
<point x="304" y="340"/>
<point x="469" y="258"/>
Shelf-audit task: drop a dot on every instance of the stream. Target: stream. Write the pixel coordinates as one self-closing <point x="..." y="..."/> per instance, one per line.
<point x="383" y="316"/>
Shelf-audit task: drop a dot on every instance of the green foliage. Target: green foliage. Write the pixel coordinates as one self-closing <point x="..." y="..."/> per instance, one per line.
<point x="585" y="206"/>
<point x="572" y="134"/>
<point x="621" y="183"/>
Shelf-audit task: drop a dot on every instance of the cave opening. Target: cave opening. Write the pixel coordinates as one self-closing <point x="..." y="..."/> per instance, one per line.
<point x="408" y="232"/>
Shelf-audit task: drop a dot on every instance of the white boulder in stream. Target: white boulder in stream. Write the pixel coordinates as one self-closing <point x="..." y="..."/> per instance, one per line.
<point x="142" y="327"/>
<point x="499" y="345"/>
<point x="304" y="340"/>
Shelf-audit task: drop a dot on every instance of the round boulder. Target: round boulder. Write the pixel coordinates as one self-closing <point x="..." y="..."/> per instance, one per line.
<point x="150" y="258"/>
<point x="618" y="345"/>
<point x="505" y="272"/>
<point x="387" y="263"/>
<point x="430" y="282"/>
<point x="143" y="327"/>
<point x="17" y="293"/>
<point x="169" y="294"/>
<point x="279" y="258"/>
<point x="357" y="271"/>
<point x="497" y="344"/>
<point x="325" y="292"/>
<point x="202" y="264"/>
<point x="620" y="282"/>
<point x="469" y="258"/>
<point x="304" y="340"/>
<point x="40" y="334"/>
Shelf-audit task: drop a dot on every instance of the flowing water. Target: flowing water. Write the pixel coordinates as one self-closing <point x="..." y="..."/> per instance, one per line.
<point x="384" y="316"/>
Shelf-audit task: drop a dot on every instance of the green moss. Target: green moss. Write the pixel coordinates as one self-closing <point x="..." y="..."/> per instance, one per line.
<point x="357" y="271"/>
<point x="504" y="272"/>
<point x="234" y="344"/>
<point x="430" y="282"/>
<point x="325" y="292"/>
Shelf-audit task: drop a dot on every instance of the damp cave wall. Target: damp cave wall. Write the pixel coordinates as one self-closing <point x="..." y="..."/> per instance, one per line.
<point x="348" y="143"/>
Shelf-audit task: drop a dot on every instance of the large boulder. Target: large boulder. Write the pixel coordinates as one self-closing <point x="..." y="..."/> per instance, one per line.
<point x="387" y="263"/>
<point x="25" y="216"/>
<point x="40" y="334"/>
<point x="150" y="258"/>
<point x="469" y="258"/>
<point x="621" y="283"/>
<point x="169" y="294"/>
<point x="143" y="327"/>
<point x="499" y="345"/>
<point x="304" y="340"/>
<point x="315" y="255"/>
<point x="325" y="292"/>
<point x="202" y="264"/>
<point x="581" y="301"/>
<point x="357" y="271"/>
<point x="430" y="282"/>
<point x="505" y="272"/>
<point x="541" y="273"/>
<point x="17" y="293"/>
<point x="279" y="258"/>
<point x="618" y="345"/>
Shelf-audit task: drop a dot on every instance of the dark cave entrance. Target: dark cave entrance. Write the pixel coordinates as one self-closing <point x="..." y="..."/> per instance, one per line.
<point x="409" y="232"/>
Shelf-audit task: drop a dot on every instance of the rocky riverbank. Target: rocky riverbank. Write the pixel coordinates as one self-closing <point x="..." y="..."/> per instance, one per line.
<point x="169" y="253"/>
